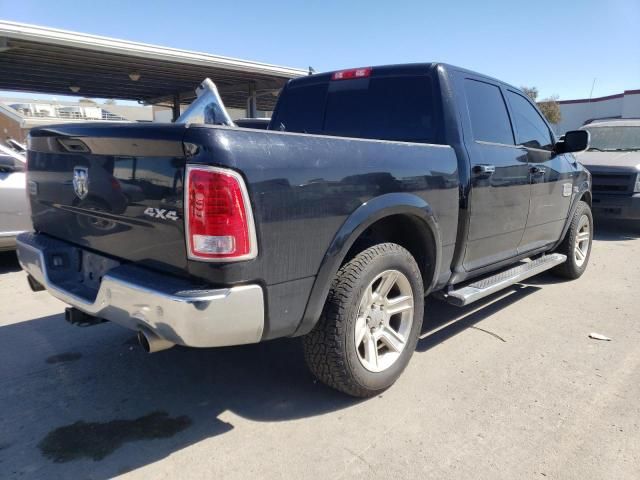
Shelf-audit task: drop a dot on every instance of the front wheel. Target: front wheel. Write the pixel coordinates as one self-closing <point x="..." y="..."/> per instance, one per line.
<point x="577" y="243"/>
<point x="370" y="323"/>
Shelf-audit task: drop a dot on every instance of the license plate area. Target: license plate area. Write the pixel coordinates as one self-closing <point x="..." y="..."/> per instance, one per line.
<point x="609" y="210"/>
<point x="93" y="267"/>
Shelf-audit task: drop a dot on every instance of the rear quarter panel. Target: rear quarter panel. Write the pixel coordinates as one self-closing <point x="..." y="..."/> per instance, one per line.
<point x="304" y="187"/>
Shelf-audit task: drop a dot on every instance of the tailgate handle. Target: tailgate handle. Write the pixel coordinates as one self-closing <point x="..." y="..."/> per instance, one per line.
<point x="74" y="145"/>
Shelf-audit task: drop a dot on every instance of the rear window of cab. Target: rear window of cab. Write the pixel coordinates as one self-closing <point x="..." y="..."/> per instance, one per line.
<point x="397" y="108"/>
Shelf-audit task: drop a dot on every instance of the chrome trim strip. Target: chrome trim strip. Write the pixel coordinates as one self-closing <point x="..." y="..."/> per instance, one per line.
<point x="195" y="318"/>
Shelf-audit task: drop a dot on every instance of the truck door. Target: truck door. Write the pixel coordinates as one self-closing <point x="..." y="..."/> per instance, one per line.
<point x="499" y="184"/>
<point x="550" y="175"/>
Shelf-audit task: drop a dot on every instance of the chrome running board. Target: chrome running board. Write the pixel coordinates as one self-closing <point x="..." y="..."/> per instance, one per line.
<point x="486" y="286"/>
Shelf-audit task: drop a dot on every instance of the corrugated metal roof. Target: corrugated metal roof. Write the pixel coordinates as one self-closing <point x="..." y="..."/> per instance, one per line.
<point x="47" y="60"/>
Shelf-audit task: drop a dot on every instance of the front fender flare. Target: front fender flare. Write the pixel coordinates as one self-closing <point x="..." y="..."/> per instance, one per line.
<point x="362" y="218"/>
<point x="583" y="191"/>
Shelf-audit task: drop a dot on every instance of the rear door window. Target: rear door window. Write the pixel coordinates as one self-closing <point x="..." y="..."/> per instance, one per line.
<point x="531" y="130"/>
<point x="488" y="113"/>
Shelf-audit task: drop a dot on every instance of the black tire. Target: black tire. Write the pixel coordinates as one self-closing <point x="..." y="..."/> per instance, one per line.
<point x="571" y="269"/>
<point x="330" y="350"/>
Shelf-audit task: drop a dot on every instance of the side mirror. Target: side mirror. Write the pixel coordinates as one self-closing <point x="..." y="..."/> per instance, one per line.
<point x="573" y="141"/>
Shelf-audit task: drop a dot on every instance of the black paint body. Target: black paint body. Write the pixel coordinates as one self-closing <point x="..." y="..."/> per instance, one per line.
<point x="312" y="196"/>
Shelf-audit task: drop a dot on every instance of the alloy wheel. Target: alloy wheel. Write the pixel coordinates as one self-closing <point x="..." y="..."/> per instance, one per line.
<point x="385" y="316"/>
<point x="583" y="241"/>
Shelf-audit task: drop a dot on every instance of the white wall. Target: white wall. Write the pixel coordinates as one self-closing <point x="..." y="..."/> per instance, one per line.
<point x="631" y="107"/>
<point x="575" y="114"/>
<point x="164" y="114"/>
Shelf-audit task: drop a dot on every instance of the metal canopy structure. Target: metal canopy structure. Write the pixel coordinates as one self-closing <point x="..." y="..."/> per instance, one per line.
<point x="45" y="60"/>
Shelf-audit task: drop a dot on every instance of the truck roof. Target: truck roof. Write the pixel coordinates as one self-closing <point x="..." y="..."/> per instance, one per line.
<point x="401" y="68"/>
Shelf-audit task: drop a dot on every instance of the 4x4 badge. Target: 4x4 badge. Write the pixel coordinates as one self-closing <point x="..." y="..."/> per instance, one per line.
<point x="81" y="181"/>
<point x="161" y="213"/>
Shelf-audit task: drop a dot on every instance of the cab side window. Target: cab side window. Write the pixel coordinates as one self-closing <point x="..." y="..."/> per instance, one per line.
<point x="531" y="130"/>
<point x="488" y="113"/>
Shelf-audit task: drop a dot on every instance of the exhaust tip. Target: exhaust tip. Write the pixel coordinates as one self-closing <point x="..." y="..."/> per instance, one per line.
<point x="151" y="343"/>
<point x="35" y="285"/>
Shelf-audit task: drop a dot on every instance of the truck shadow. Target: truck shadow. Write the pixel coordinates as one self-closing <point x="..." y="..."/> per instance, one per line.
<point x="8" y="262"/>
<point x="616" y="230"/>
<point x="443" y="321"/>
<point x="87" y="402"/>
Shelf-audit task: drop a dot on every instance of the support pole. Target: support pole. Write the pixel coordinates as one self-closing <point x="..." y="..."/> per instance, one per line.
<point x="252" y="107"/>
<point x="176" y="107"/>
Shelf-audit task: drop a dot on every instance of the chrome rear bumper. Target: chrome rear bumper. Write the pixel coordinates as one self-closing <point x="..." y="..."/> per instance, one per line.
<point x="8" y="240"/>
<point x="138" y="299"/>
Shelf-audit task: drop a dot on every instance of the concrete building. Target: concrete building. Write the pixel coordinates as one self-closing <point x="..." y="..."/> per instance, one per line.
<point x="19" y="115"/>
<point x="576" y="113"/>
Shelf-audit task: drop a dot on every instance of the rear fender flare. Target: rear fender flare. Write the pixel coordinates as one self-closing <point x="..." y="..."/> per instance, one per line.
<point x="361" y="219"/>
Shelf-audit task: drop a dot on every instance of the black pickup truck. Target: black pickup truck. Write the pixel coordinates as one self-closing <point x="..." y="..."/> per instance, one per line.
<point x="371" y="189"/>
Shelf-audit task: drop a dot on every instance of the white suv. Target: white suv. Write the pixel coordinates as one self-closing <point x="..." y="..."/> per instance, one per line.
<point x="14" y="208"/>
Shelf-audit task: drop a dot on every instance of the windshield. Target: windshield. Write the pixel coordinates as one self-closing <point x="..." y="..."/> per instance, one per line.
<point x="614" y="138"/>
<point x="207" y="108"/>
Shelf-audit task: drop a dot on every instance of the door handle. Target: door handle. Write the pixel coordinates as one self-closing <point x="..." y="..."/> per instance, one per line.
<point x="538" y="170"/>
<point x="484" y="169"/>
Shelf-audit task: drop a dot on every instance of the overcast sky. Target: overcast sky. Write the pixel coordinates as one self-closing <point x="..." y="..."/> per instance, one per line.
<point x="558" y="46"/>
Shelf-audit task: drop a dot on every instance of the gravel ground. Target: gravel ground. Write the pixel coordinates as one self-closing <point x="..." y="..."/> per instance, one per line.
<point x="509" y="388"/>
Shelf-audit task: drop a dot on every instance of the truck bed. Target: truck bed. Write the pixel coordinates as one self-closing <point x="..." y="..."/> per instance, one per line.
<point x="297" y="183"/>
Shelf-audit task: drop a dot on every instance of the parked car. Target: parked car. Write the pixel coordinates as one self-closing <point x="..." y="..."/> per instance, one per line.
<point x="16" y="146"/>
<point x="372" y="188"/>
<point x="14" y="206"/>
<point x="614" y="162"/>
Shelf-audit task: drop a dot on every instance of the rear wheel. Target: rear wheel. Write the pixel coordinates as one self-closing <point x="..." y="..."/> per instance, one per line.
<point x="370" y="324"/>
<point x="577" y="243"/>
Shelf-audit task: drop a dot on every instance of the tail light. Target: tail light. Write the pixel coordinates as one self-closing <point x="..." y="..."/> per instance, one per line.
<point x="219" y="222"/>
<point x="351" y="74"/>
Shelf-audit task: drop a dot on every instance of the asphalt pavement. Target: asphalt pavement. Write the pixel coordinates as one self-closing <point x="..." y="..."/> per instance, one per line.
<point x="509" y="388"/>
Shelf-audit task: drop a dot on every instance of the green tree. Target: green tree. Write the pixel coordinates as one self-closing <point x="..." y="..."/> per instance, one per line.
<point x="532" y="93"/>
<point x="549" y="107"/>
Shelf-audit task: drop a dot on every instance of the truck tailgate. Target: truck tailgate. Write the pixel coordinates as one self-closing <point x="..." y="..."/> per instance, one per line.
<point x="116" y="189"/>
